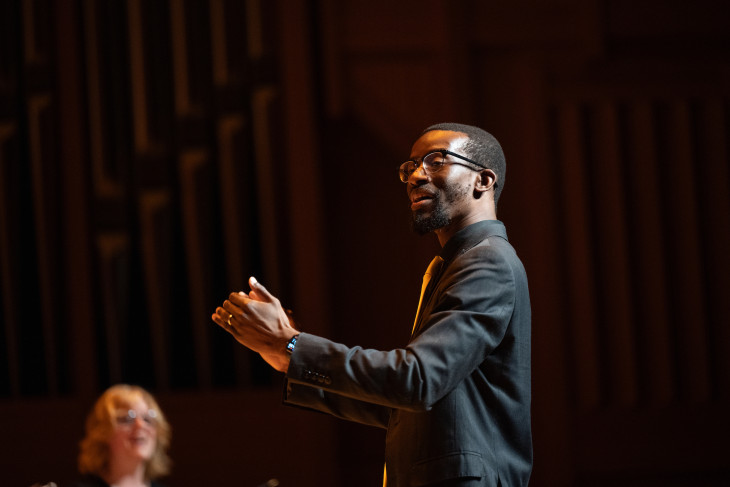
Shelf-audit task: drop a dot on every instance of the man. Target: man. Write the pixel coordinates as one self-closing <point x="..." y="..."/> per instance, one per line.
<point x="456" y="400"/>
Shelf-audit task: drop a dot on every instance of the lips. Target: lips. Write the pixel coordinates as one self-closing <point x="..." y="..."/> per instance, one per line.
<point x="420" y="199"/>
<point x="139" y="440"/>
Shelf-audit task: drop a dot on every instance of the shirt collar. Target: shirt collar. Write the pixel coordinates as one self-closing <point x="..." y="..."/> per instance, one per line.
<point x="470" y="236"/>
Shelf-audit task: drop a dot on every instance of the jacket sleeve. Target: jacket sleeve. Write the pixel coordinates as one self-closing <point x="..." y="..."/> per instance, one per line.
<point x="316" y="399"/>
<point x="463" y="322"/>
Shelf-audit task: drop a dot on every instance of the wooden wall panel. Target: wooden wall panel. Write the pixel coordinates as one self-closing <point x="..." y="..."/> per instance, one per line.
<point x="232" y="148"/>
<point x="152" y="84"/>
<point x="106" y="181"/>
<point x="8" y="263"/>
<point x="156" y="239"/>
<point x="683" y="241"/>
<point x="302" y="149"/>
<point x="612" y="245"/>
<point x="113" y="257"/>
<point x="643" y="227"/>
<point x="44" y="174"/>
<point x="581" y="297"/>
<point x="656" y="370"/>
<point x="142" y="138"/>
<point x="269" y="180"/>
<point x="195" y="142"/>
<point x="74" y="187"/>
<point x="713" y="197"/>
<point x="193" y="164"/>
<point x="628" y="121"/>
<point x="183" y="103"/>
<point x="220" y="48"/>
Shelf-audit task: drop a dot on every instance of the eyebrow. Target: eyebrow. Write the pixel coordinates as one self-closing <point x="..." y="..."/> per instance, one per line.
<point x="429" y="151"/>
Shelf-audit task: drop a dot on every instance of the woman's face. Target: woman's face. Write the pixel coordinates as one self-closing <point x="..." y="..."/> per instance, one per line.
<point x="135" y="432"/>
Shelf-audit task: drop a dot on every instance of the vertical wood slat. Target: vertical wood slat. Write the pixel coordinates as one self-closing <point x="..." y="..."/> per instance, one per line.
<point x="452" y="49"/>
<point x="714" y="195"/>
<point x="331" y="51"/>
<point x="613" y="260"/>
<point x="10" y="317"/>
<point x="230" y="130"/>
<point x="537" y="136"/>
<point x="140" y="120"/>
<point x="31" y="49"/>
<point x="153" y="204"/>
<point x="651" y="277"/>
<point x="137" y="40"/>
<point x="113" y="247"/>
<point x="254" y="29"/>
<point x="267" y="187"/>
<point x="219" y="52"/>
<point x="191" y="162"/>
<point x="73" y="162"/>
<point x="580" y="272"/>
<point x="688" y="304"/>
<point x="230" y="138"/>
<point x="8" y="63"/>
<point x="303" y="156"/>
<point x="38" y="107"/>
<point x="104" y="185"/>
<point x="181" y="85"/>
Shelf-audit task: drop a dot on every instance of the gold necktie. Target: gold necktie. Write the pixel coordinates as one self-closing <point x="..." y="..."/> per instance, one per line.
<point x="433" y="268"/>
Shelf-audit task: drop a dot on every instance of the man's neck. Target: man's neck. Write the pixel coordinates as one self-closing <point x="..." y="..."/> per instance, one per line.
<point x="444" y="234"/>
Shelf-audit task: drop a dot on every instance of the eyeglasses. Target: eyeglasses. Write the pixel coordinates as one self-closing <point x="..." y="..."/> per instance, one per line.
<point x="130" y="417"/>
<point x="432" y="162"/>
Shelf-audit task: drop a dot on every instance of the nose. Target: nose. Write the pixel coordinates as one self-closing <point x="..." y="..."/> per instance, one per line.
<point x="138" y="422"/>
<point x="418" y="177"/>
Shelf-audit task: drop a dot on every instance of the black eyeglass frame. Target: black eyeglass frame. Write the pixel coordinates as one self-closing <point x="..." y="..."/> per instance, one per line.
<point x="419" y="161"/>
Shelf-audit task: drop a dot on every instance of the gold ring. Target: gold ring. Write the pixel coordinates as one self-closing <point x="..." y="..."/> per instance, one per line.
<point x="229" y="320"/>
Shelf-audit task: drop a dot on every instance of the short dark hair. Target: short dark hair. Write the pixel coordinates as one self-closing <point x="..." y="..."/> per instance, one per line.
<point x="482" y="147"/>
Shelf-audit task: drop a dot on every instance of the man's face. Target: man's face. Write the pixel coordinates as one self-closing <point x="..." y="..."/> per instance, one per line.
<point x="440" y="198"/>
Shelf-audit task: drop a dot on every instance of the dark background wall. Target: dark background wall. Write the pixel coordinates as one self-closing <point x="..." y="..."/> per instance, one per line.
<point x="155" y="154"/>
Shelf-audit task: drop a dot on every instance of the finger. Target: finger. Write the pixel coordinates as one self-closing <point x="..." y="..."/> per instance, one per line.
<point x="238" y="300"/>
<point x="222" y="315"/>
<point x="217" y="320"/>
<point x="250" y="296"/>
<point x="231" y="322"/>
<point x="220" y="318"/>
<point x="259" y="292"/>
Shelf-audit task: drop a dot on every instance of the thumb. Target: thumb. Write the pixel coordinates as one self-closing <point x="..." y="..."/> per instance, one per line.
<point x="258" y="291"/>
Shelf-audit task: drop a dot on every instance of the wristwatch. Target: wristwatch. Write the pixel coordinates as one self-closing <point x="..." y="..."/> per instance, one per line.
<point x="291" y="344"/>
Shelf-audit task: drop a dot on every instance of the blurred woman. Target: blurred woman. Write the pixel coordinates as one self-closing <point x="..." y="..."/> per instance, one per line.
<point x="126" y="440"/>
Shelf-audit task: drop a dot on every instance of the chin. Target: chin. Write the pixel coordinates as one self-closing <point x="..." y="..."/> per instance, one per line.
<point x="423" y="223"/>
<point x="144" y="452"/>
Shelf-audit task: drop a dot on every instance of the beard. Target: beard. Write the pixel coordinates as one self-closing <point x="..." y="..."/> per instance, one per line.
<point x="424" y="221"/>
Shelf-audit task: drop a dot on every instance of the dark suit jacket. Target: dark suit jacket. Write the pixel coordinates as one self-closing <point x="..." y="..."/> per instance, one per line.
<point x="456" y="399"/>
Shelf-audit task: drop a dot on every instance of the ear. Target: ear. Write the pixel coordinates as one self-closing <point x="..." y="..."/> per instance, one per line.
<point x="485" y="181"/>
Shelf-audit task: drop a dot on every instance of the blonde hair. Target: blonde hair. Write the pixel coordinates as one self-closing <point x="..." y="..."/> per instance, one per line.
<point x="100" y="423"/>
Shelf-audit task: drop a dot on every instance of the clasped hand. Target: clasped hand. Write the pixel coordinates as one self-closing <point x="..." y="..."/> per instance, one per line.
<point x="258" y="321"/>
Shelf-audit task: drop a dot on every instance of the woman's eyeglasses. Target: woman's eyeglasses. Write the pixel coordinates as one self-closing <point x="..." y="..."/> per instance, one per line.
<point x="130" y="417"/>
